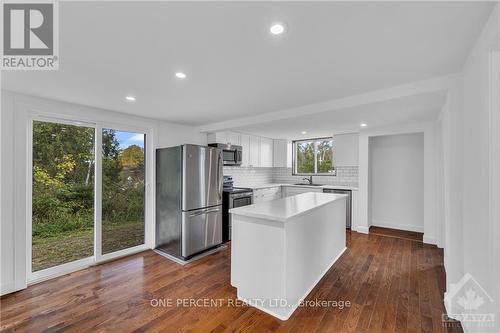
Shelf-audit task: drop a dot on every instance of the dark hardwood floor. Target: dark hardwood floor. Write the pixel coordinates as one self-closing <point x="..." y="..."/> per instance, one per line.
<point x="393" y="284"/>
<point x="410" y="235"/>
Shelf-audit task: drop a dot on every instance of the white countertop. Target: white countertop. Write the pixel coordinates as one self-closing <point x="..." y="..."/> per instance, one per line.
<point x="270" y="185"/>
<point x="289" y="207"/>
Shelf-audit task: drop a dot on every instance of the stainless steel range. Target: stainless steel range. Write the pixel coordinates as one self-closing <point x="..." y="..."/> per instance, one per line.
<point x="233" y="197"/>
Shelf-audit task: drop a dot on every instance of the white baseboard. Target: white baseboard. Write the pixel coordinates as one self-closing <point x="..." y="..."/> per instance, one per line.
<point x="385" y="224"/>
<point x="362" y="229"/>
<point x="429" y="240"/>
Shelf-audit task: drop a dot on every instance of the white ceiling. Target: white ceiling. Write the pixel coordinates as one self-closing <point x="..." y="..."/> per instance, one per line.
<point x="235" y="67"/>
<point x="413" y="109"/>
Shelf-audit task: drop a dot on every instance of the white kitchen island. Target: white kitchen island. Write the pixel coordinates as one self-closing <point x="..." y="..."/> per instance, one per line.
<point x="281" y="249"/>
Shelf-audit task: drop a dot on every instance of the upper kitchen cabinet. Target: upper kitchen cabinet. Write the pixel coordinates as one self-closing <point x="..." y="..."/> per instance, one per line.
<point x="225" y="137"/>
<point x="245" y="147"/>
<point x="254" y="151"/>
<point x="266" y="152"/>
<point x="279" y="153"/>
<point x="346" y="149"/>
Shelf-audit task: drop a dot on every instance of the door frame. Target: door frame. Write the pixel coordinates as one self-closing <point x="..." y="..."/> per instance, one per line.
<point x="97" y="257"/>
<point x="494" y="158"/>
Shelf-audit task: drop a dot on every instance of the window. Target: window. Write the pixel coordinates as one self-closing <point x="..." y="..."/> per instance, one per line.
<point x="313" y="157"/>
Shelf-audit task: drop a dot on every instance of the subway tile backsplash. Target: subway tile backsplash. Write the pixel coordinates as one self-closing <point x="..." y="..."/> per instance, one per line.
<point x="249" y="176"/>
<point x="243" y="176"/>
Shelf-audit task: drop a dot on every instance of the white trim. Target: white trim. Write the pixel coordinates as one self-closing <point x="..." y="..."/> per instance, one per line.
<point x="29" y="200"/>
<point x="362" y="229"/>
<point x="98" y="193"/>
<point x="429" y="86"/>
<point x="405" y="227"/>
<point x="122" y="253"/>
<point x="49" y="118"/>
<point x="74" y="266"/>
<point x="52" y="272"/>
<point x="494" y="158"/>
<point x="429" y="240"/>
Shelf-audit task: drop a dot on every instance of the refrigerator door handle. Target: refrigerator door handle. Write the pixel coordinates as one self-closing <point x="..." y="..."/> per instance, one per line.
<point x="204" y="211"/>
<point x="220" y="178"/>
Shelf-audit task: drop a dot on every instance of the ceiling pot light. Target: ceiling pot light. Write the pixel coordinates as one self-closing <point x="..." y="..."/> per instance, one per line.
<point x="363" y="125"/>
<point x="130" y="98"/>
<point x="303" y="132"/>
<point x="180" y="75"/>
<point x="277" y="29"/>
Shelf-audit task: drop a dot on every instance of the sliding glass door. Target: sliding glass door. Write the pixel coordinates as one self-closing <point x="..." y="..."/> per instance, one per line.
<point x="75" y="215"/>
<point x="123" y="191"/>
<point x="62" y="194"/>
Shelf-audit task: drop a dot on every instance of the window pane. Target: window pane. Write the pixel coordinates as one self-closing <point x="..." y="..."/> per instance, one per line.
<point x="324" y="156"/>
<point x="123" y="191"/>
<point x="63" y="194"/>
<point x="305" y="157"/>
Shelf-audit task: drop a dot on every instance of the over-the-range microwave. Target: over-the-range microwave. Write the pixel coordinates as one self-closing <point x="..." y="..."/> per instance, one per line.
<point x="231" y="154"/>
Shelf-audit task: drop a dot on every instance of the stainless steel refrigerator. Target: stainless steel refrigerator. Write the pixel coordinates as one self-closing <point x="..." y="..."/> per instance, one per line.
<point x="189" y="185"/>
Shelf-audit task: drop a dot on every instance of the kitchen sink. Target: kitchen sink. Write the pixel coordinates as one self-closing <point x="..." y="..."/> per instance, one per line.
<point x="309" y="184"/>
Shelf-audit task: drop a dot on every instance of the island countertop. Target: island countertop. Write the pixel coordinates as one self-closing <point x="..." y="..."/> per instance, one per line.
<point x="287" y="208"/>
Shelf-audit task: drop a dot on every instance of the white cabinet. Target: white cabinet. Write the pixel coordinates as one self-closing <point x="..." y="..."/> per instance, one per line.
<point x="224" y="137"/>
<point x="257" y="151"/>
<point x="289" y="191"/>
<point x="279" y="153"/>
<point x="245" y="146"/>
<point x="254" y="151"/>
<point x="289" y="157"/>
<point x="234" y="138"/>
<point x="266" y="152"/>
<point x="266" y="194"/>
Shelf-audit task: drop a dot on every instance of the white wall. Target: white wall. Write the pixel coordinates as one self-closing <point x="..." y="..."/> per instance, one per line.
<point x="431" y="225"/>
<point x="346" y="149"/>
<point x="466" y="145"/>
<point x="397" y="181"/>
<point x="173" y="134"/>
<point x="15" y="114"/>
<point x="476" y="118"/>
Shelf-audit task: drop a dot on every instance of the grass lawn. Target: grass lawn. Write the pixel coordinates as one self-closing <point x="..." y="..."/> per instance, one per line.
<point x="69" y="246"/>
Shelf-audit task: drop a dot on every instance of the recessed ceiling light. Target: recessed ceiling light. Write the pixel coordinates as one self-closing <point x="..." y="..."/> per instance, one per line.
<point x="130" y="98"/>
<point x="180" y="75"/>
<point x="363" y="125"/>
<point x="303" y="132"/>
<point x="277" y="29"/>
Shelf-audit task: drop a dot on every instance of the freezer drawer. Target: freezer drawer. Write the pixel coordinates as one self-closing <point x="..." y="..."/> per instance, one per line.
<point x="201" y="229"/>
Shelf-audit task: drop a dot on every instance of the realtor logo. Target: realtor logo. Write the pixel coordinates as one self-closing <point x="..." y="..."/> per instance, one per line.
<point x="30" y="36"/>
<point x="468" y="302"/>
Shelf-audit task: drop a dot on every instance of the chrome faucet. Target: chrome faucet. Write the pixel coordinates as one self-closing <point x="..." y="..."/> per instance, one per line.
<point x="310" y="179"/>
